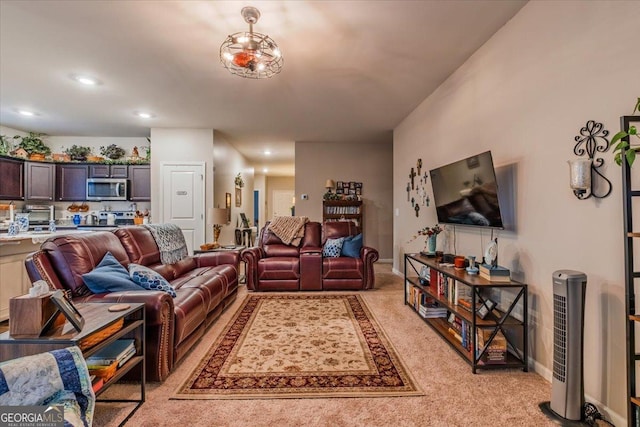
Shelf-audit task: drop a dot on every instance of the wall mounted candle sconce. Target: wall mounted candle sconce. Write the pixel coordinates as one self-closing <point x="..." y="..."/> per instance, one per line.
<point x="584" y="173"/>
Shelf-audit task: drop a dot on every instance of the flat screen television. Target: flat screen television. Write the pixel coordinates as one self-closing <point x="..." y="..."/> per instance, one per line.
<point x="465" y="192"/>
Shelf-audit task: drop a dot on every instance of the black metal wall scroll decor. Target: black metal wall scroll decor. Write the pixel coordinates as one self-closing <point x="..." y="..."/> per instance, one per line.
<point x="592" y="140"/>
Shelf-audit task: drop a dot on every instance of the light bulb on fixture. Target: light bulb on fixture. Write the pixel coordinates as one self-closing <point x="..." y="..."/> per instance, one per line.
<point x="250" y="54"/>
<point x="86" y="80"/>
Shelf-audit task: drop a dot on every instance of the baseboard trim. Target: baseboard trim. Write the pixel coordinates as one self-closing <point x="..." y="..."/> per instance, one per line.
<point x="607" y="412"/>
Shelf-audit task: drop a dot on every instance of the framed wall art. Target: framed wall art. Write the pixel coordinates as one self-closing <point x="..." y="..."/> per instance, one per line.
<point x="238" y="197"/>
<point x="227" y="205"/>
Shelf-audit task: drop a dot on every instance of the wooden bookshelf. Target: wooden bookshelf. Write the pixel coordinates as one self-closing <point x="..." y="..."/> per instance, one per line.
<point x="501" y="321"/>
<point x="342" y="210"/>
<point x="630" y="195"/>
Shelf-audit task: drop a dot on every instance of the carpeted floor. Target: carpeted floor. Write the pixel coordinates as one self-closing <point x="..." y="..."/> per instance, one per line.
<point x="295" y="345"/>
<point x="453" y="395"/>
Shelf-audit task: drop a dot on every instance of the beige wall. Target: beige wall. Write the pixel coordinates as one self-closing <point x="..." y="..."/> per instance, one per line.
<point x="369" y="163"/>
<point x="524" y="95"/>
<point x="228" y="163"/>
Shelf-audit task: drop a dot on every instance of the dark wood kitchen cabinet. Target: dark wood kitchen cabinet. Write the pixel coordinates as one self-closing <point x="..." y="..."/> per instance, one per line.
<point x="39" y="181"/>
<point x="140" y="183"/>
<point x="11" y="179"/>
<point x="71" y="182"/>
<point x="108" y="171"/>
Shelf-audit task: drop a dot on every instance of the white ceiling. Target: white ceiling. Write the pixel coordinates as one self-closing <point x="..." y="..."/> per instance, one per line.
<point x="352" y="69"/>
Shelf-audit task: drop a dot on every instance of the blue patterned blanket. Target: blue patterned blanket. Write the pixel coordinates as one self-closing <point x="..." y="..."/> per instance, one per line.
<point x="58" y="377"/>
<point x="170" y="241"/>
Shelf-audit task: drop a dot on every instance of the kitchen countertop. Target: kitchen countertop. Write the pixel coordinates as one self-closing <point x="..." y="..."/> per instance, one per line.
<point x="37" y="236"/>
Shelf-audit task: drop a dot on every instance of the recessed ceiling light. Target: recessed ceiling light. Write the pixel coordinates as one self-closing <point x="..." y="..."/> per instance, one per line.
<point x="267" y="152"/>
<point x="85" y="80"/>
<point x="27" y="113"/>
<point x="144" y="115"/>
<point x="265" y="170"/>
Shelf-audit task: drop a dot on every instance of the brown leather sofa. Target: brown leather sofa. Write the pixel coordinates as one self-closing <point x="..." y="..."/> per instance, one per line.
<point x="275" y="266"/>
<point x="205" y="285"/>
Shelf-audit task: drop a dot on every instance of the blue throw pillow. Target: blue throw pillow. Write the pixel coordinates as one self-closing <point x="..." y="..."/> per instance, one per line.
<point x="352" y="245"/>
<point x="149" y="279"/>
<point x="332" y="248"/>
<point x="109" y="276"/>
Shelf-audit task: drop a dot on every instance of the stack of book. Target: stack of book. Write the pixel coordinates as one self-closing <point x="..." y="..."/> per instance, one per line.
<point x="495" y="274"/>
<point x="496" y="353"/>
<point x="432" y="311"/>
<point x="460" y="330"/>
<point x="119" y="351"/>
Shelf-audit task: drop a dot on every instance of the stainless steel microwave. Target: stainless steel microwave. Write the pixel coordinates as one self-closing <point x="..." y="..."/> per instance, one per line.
<point x="106" y="189"/>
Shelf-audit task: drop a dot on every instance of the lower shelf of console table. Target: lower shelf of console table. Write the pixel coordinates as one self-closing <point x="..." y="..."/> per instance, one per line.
<point x="501" y="321"/>
<point x="98" y="319"/>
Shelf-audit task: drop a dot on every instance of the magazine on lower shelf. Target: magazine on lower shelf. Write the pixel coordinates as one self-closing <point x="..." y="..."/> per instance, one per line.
<point x="118" y="351"/>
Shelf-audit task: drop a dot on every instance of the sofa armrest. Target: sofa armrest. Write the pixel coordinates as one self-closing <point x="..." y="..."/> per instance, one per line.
<point x="214" y="259"/>
<point x="369" y="256"/>
<point x="251" y="256"/>
<point x="156" y="303"/>
<point x="39" y="267"/>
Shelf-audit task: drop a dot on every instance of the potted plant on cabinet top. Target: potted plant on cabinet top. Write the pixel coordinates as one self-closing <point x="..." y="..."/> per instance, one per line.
<point x="631" y="150"/>
<point x="33" y="145"/>
<point x="112" y="151"/>
<point x="5" y="145"/>
<point x="78" y="152"/>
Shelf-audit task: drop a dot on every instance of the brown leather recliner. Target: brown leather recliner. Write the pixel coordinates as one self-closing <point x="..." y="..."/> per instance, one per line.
<point x="275" y="266"/>
<point x="342" y="273"/>
<point x="205" y="285"/>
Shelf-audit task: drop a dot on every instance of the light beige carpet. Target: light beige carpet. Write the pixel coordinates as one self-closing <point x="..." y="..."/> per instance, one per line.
<point x="453" y="395"/>
<point x="300" y="346"/>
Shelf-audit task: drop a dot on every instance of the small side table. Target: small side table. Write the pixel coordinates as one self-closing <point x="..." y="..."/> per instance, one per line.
<point x="97" y="318"/>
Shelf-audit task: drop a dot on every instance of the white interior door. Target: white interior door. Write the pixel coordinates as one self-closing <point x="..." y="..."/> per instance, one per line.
<point x="282" y="202"/>
<point x="183" y="199"/>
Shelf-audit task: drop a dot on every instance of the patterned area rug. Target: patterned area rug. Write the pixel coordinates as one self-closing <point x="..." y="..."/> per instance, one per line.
<point x="300" y="346"/>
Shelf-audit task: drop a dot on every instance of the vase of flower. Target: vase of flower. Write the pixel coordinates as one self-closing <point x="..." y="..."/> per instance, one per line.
<point x="431" y="234"/>
<point x="431" y="244"/>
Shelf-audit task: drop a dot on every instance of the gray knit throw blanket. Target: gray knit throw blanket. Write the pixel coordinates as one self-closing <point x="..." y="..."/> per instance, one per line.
<point x="170" y="241"/>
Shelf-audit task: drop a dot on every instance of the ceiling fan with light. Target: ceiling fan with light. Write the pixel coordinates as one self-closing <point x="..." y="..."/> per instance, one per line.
<point x="250" y="54"/>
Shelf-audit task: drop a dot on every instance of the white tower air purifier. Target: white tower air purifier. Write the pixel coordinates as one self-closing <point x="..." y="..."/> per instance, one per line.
<point x="567" y="387"/>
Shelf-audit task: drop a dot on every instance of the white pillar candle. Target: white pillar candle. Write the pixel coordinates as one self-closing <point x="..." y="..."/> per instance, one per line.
<point x="51" y="214"/>
<point x="580" y="174"/>
<point x="11" y="213"/>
